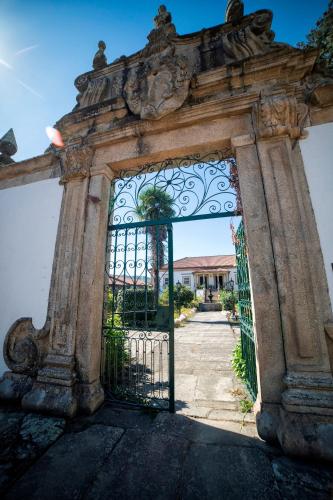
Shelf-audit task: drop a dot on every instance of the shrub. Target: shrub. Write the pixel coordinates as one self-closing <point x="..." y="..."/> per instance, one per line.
<point x="132" y="305"/>
<point x="228" y="300"/>
<point x="238" y="363"/>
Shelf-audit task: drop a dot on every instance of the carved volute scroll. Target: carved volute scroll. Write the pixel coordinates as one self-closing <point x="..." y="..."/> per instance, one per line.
<point x="76" y="162"/>
<point x="278" y="115"/>
<point x="25" y="347"/>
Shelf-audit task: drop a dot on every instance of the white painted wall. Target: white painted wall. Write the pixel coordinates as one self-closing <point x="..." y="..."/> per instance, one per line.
<point x="28" y="225"/>
<point x="317" y="151"/>
<point x="178" y="276"/>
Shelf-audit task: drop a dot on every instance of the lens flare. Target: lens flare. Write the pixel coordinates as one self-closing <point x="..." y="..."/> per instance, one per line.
<point x="55" y="136"/>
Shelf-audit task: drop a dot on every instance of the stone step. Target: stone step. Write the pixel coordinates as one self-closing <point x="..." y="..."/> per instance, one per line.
<point x="217" y="414"/>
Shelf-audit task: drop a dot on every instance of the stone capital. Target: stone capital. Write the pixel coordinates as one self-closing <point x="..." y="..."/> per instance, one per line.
<point x="279" y="115"/>
<point x="76" y="162"/>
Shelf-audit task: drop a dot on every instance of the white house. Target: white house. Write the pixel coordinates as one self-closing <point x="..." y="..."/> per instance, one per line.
<point x="212" y="271"/>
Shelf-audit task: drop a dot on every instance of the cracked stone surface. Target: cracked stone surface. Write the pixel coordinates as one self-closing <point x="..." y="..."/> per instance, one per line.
<point x="125" y="453"/>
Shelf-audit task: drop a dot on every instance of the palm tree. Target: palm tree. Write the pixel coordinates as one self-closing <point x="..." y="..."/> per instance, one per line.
<point x="155" y="204"/>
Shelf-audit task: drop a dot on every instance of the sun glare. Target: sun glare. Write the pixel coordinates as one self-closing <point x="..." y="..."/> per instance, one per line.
<point x="55" y="136"/>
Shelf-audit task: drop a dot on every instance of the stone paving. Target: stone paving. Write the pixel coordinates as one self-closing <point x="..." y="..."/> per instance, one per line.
<point x="121" y="453"/>
<point x="205" y="384"/>
<point x="125" y="453"/>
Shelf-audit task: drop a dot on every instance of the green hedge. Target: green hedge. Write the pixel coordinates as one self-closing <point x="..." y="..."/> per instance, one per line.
<point x="182" y="295"/>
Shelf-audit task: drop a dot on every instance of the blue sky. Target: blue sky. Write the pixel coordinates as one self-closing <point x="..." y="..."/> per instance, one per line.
<point x="45" y="45"/>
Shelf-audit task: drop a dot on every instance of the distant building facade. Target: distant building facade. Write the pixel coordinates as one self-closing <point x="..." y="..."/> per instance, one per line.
<point x="212" y="271"/>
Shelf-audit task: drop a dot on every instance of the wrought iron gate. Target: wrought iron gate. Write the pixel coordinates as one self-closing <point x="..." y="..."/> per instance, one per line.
<point x="138" y="317"/>
<point x="245" y="312"/>
<point x="138" y="326"/>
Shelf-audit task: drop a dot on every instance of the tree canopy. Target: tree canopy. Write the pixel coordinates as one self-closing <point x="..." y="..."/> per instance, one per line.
<point x="154" y="203"/>
<point x="321" y="38"/>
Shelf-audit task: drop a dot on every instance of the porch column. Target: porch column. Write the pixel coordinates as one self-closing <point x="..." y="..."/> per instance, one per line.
<point x="266" y="313"/>
<point x="54" y="389"/>
<point x="306" y="416"/>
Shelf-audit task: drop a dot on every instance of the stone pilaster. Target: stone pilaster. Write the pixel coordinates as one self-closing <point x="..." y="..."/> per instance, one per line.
<point x="54" y="390"/>
<point x="306" y="417"/>
<point x="90" y="311"/>
<point x="266" y="313"/>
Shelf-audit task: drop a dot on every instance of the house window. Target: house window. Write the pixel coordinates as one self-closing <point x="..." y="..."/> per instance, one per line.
<point x="166" y="281"/>
<point x="187" y="280"/>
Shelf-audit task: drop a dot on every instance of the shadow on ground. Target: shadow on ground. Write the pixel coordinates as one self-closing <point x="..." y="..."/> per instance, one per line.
<point x="126" y="453"/>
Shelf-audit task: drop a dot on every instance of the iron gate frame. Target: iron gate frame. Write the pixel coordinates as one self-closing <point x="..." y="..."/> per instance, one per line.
<point x="245" y="313"/>
<point x="215" y="210"/>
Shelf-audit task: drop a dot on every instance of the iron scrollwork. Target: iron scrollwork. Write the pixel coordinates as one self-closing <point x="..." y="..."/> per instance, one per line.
<point x="198" y="185"/>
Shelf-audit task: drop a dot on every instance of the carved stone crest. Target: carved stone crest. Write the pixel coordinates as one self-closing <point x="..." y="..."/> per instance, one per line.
<point x="159" y="85"/>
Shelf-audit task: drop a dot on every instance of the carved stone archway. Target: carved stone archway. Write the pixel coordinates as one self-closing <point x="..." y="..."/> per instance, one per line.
<point x="228" y="86"/>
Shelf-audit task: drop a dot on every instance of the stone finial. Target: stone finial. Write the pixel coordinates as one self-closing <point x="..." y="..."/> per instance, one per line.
<point x="8" y="147"/>
<point x="163" y="17"/>
<point x="234" y="11"/>
<point x="100" y="61"/>
<point x="161" y="36"/>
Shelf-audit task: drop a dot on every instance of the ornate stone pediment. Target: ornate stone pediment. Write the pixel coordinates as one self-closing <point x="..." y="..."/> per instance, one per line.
<point x="159" y="85"/>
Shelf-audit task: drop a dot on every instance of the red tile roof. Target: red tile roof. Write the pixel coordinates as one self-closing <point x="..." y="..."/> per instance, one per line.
<point x="129" y="281"/>
<point x="216" y="262"/>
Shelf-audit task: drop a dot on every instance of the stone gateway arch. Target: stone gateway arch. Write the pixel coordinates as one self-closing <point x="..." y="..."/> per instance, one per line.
<point x="230" y="87"/>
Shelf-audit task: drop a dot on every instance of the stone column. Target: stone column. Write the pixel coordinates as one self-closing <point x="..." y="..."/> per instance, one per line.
<point x="90" y="311"/>
<point x="54" y="389"/>
<point x="306" y="417"/>
<point x="266" y="313"/>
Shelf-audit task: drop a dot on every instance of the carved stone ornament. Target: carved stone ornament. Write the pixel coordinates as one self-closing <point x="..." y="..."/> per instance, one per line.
<point x="279" y="115"/>
<point x="25" y="347"/>
<point x="159" y="85"/>
<point x="76" y="162"/>
<point x="318" y="89"/>
<point x="94" y="92"/>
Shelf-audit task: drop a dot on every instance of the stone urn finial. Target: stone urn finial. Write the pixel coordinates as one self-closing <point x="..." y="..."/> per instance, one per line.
<point x="8" y="147"/>
<point x="100" y="60"/>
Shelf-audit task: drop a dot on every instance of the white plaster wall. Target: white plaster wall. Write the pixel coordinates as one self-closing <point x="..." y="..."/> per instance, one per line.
<point x="317" y="151"/>
<point x="28" y="225"/>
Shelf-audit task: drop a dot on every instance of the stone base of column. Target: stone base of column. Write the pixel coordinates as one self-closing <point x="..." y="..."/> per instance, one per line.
<point x="53" y="399"/>
<point x="306" y="416"/>
<point x="90" y="396"/>
<point x="267" y="420"/>
<point x="54" y="391"/>
<point x="306" y="435"/>
<point x="13" y="386"/>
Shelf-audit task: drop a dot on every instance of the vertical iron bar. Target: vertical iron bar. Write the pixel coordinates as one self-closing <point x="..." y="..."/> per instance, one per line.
<point x="114" y="277"/>
<point x="135" y="262"/>
<point x="124" y="283"/>
<point x="171" y="324"/>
